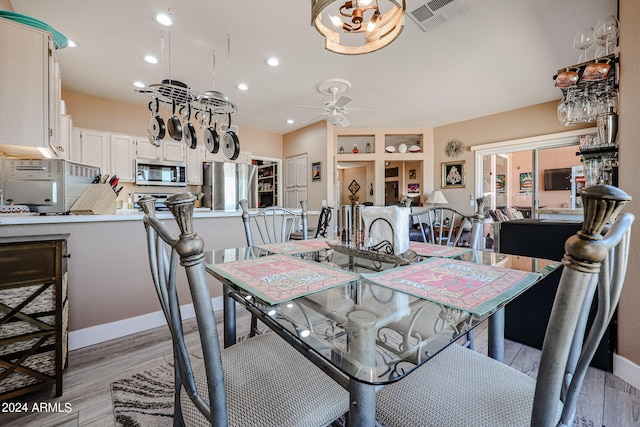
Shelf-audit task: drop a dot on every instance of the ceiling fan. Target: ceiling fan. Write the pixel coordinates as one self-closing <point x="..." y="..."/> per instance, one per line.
<point x="335" y="111"/>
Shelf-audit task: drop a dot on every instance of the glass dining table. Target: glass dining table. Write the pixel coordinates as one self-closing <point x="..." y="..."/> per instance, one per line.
<point x="372" y="326"/>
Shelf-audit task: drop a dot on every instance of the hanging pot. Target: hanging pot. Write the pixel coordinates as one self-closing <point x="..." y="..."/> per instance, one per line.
<point x="190" y="137"/>
<point x="211" y="137"/>
<point x="156" y="126"/>
<point x="174" y="126"/>
<point x="231" y="143"/>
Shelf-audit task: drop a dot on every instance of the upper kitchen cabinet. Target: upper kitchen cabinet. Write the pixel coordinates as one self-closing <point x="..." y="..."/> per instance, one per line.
<point x="93" y="148"/>
<point x="30" y="88"/>
<point x="146" y="150"/>
<point x="174" y="151"/>
<point x="122" y="154"/>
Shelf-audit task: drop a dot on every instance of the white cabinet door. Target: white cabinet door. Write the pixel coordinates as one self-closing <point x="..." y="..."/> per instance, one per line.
<point x="194" y="166"/>
<point x="174" y="151"/>
<point x="301" y="170"/>
<point x="146" y="150"/>
<point x="295" y="173"/>
<point x="94" y="149"/>
<point x="25" y="85"/>
<point x="290" y="172"/>
<point x="123" y="154"/>
<point x="64" y="147"/>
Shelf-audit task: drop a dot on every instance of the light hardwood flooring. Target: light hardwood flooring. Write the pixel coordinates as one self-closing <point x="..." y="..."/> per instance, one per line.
<point x="605" y="400"/>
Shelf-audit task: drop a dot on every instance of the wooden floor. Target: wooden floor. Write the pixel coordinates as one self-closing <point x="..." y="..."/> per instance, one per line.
<point x="605" y="401"/>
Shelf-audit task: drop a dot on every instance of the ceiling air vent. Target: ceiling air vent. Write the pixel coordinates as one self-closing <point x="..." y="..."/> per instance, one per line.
<point x="432" y="13"/>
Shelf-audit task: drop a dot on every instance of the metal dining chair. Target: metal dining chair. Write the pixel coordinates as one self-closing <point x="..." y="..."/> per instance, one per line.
<point x="273" y="224"/>
<point x="444" y="226"/>
<point x="460" y="387"/>
<point x="260" y="381"/>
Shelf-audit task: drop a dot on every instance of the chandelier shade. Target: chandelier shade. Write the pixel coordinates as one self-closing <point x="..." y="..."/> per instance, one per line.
<point x="357" y="17"/>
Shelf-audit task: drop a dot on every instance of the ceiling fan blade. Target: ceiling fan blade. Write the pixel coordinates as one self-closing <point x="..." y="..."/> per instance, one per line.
<point x="344" y="122"/>
<point x="341" y="102"/>
<point x="361" y="111"/>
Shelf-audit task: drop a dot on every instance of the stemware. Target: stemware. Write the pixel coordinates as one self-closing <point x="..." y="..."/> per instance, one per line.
<point x="583" y="41"/>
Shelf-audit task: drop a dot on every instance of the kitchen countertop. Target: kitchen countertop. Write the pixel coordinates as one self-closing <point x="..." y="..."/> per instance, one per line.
<point x="121" y="215"/>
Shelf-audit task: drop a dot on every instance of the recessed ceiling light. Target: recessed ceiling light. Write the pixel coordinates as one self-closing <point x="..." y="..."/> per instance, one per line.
<point x="272" y="61"/>
<point x="290" y="121"/>
<point x="243" y="86"/>
<point x="72" y="44"/>
<point x="151" y="59"/>
<point x="163" y="19"/>
<point x="139" y="84"/>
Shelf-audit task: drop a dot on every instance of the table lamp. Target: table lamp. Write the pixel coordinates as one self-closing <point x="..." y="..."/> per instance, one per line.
<point x="437" y="198"/>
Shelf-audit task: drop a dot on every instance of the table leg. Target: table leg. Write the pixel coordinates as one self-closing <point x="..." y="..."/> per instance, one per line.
<point x="362" y="343"/>
<point x="229" y="306"/>
<point x="496" y="336"/>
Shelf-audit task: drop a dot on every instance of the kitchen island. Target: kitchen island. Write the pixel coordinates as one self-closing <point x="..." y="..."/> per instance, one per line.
<point x="111" y="293"/>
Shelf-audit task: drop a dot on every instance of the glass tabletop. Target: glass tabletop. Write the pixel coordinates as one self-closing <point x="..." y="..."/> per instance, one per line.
<point x="368" y="330"/>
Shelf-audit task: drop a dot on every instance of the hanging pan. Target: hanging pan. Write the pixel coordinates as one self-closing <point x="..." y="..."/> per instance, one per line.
<point x="211" y="137"/>
<point x="230" y="144"/>
<point x="174" y="126"/>
<point x="156" y="126"/>
<point x="190" y="137"/>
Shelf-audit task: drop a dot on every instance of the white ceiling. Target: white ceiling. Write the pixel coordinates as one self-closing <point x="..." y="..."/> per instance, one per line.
<point x="500" y="55"/>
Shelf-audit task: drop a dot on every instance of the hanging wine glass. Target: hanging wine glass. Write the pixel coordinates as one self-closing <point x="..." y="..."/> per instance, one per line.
<point x="583" y="41"/>
<point x="606" y="32"/>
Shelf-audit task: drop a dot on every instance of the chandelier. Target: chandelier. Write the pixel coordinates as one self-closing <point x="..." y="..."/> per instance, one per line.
<point x="358" y="17"/>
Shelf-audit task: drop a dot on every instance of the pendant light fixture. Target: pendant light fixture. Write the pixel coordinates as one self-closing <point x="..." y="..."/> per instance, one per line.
<point x="362" y="17"/>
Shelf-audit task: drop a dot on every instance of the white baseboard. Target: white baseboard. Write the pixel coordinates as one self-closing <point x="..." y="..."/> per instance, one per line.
<point x="109" y="331"/>
<point x="626" y="370"/>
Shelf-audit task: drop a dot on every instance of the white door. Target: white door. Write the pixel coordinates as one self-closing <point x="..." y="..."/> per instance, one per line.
<point x="290" y="172"/>
<point x="301" y="170"/>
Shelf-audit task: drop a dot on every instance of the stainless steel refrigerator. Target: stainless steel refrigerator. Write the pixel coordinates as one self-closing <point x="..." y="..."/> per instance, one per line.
<point x="224" y="184"/>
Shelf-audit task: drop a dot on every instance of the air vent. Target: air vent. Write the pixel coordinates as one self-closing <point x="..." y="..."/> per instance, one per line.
<point x="433" y="13"/>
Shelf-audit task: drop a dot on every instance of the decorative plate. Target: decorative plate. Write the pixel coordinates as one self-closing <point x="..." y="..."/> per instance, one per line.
<point x="390" y="149"/>
<point x="402" y="148"/>
<point x="58" y="39"/>
<point x="454" y="148"/>
<point x="414" y="149"/>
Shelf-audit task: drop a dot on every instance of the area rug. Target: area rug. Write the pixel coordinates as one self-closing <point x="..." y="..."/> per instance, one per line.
<point x="145" y="399"/>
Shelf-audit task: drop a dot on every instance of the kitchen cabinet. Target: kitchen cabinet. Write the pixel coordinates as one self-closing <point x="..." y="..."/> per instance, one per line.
<point x="173" y="151"/>
<point x="95" y="149"/>
<point x="122" y="154"/>
<point x="65" y="147"/>
<point x="30" y="87"/>
<point x="146" y="150"/>
<point x="296" y="179"/>
<point x="194" y="166"/>
<point x="33" y="336"/>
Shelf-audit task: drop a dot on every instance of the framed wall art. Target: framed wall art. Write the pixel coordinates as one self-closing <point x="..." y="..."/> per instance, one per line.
<point x="526" y="181"/>
<point x="453" y="174"/>
<point x="413" y="188"/>
<point x="316" y="171"/>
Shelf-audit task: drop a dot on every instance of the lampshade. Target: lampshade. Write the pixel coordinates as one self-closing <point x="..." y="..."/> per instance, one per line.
<point x="437" y="198"/>
<point x="362" y="17"/>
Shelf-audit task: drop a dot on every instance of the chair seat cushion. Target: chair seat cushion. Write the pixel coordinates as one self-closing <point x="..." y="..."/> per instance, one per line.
<point x="459" y="387"/>
<point x="269" y="383"/>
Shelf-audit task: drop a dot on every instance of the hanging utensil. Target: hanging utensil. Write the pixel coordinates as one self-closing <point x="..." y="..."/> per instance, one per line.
<point x="211" y="137"/>
<point x="190" y="137"/>
<point x="156" y="126"/>
<point x="174" y="126"/>
<point x="231" y="143"/>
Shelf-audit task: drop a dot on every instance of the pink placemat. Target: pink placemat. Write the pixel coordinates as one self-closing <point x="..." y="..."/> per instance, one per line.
<point x="429" y="250"/>
<point x="296" y="247"/>
<point x="278" y="278"/>
<point x="476" y="288"/>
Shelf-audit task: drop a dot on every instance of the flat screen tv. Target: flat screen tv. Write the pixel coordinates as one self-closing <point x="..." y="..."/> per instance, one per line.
<point x="557" y="179"/>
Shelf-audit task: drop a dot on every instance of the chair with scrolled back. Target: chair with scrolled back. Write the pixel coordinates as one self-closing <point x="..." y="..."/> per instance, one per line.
<point x="446" y="226"/>
<point x="460" y="387"/>
<point x="259" y="381"/>
<point x="272" y="224"/>
<point x="324" y="221"/>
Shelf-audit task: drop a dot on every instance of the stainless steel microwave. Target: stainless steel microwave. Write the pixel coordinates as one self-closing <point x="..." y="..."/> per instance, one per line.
<point x="153" y="172"/>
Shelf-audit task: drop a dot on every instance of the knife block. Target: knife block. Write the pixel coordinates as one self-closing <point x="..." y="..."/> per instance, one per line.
<point x="96" y="199"/>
